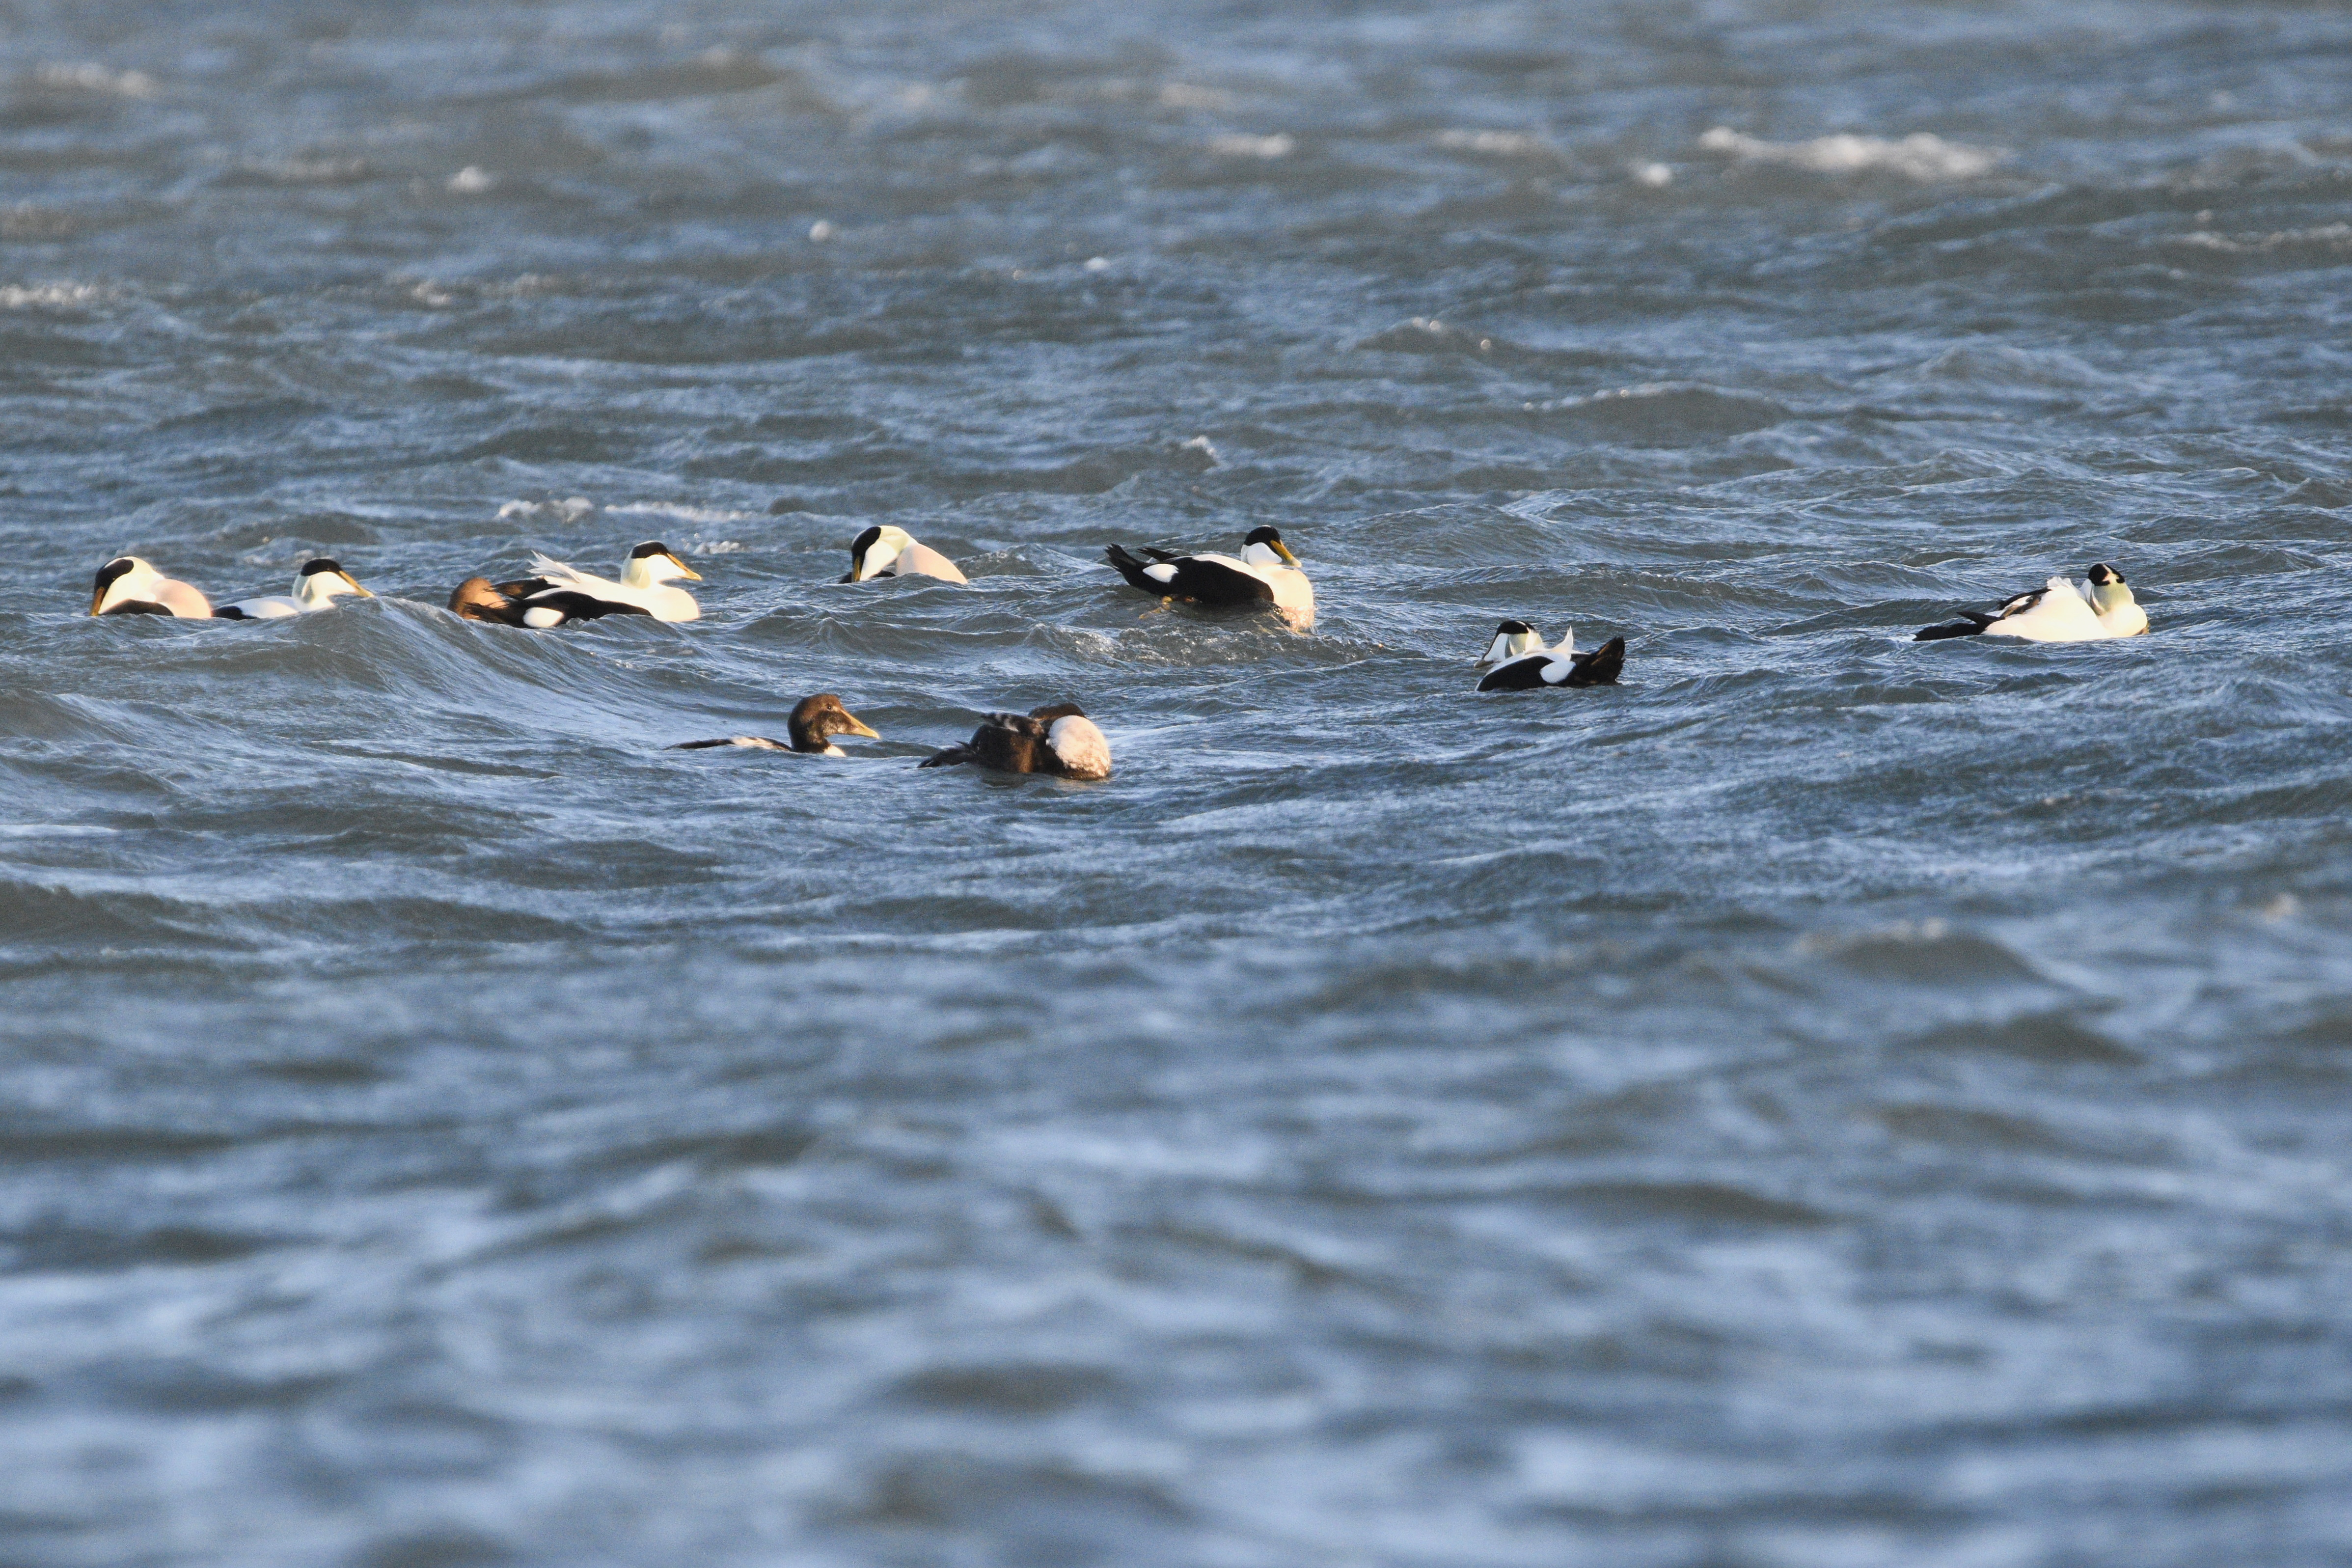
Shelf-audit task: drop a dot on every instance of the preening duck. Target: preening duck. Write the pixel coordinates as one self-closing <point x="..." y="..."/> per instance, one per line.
<point x="2057" y="612"/>
<point x="887" y="552"/>
<point x="1057" y="739"/>
<point x="1522" y="663"/>
<point x="814" y="722"/>
<point x="1266" y="577"/>
<point x="127" y="586"/>
<point x="316" y="587"/>
<point x="557" y="592"/>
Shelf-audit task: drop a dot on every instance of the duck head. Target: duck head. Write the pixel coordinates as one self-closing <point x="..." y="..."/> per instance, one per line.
<point x="653" y="563"/>
<point x="1512" y="638"/>
<point x="123" y="578"/>
<point x="1264" y="547"/>
<point x="817" y="719"/>
<point x="322" y="581"/>
<point x="2108" y="589"/>
<point x="872" y="551"/>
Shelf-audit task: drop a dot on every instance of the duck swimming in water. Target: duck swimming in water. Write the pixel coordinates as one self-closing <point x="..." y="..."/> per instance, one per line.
<point x="887" y="552"/>
<point x="127" y="586"/>
<point x="556" y="594"/>
<point x="2057" y="612"/>
<point x="316" y="587"/>
<point x="1266" y="577"/>
<point x="1058" y="739"/>
<point x="1522" y="663"/>
<point x="814" y="724"/>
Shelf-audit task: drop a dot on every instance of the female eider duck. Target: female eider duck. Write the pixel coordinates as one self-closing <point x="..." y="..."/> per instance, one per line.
<point x="316" y="587"/>
<point x="1057" y="739"/>
<point x="887" y="552"/>
<point x="814" y="724"/>
<point x="1266" y="577"/>
<point x="1522" y="663"/>
<point x="127" y="586"/>
<point x="557" y="592"/>
<point x="2058" y="612"/>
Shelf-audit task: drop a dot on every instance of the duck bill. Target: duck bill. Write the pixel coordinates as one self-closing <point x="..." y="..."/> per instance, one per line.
<point x="860" y="727"/>
<point x="354" y="582"/>
<point x="97" y="600"/>
<point x="1284" y="551"/>
<point x="689" y="571"/>
<point x="857" y="569"/>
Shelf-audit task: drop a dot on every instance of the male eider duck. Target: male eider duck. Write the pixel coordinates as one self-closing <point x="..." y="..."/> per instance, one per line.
<point x="814" y="721"/>
<point x="316" y="587"/>
<point x="557" y="592"/>
<point x="2058" y="612"/>
<point x="885" y="552"/>
<point x="1266" y="577"/>
<point x="1057" y="739"/>
<point x="1522" y="663"/>
<point x="127" y="586"/>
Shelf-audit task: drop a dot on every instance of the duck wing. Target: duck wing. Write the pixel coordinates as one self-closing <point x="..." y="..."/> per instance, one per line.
<point x="268" y="608"/>
<point x="2054" y="613"/>
<point x="1972" y="623"/>
<point x="1208" y="579"/>
<point x="1007" y="743"/>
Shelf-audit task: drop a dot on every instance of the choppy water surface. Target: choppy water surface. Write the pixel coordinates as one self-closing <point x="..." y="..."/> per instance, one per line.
<point x="1829" y="1100"/>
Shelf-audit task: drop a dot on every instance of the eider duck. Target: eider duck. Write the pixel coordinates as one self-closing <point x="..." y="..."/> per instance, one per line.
<point x="127" y="586"/>
<point x="557" y="592"/>
<point x="887" y="552"/>
<point x="814" y="721"/>
<point x="1057" y="739"/>
<point x="1522" y="663"/>
<point x="1265" y="576"/>
<point x="2057" y="612"/>
<point x="316" y="587"/>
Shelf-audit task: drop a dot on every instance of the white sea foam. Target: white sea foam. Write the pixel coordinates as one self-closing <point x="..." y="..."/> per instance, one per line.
<point x="1496" y="143"/>
<point x="20" y="297"/>
<point x="681" y="510"/>
<point x="1918" y="156"/>
<point x="90" y="77"/>
<point x="565" y="510"/>
<point x="472" y="181"/>
<point x="2327" y="237"/>
<point x="1235" y="146"/>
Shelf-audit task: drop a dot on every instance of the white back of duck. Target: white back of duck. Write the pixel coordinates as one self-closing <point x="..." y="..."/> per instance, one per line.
<point x="2059" y="614"/>
<point x="1083" y="748"/>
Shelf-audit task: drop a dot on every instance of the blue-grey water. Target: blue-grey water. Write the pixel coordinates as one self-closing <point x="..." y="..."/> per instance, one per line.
<point x="1829" y="1101"/>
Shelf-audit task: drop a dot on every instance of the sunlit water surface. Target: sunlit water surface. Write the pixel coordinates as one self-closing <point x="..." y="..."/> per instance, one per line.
<point x="1829" y="1101"/>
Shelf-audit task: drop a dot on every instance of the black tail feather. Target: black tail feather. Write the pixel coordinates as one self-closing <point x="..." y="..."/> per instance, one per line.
<point x="952" y="756"/>
<point x="1971" y="627"/>
<point x="1601" y="666"/>
<point x="1131" y="568"/>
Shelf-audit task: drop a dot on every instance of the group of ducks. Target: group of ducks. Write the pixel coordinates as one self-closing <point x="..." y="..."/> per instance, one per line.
<point x="1058" y="739"/>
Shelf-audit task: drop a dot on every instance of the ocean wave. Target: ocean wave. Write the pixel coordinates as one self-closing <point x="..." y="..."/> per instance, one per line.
<point x="1918" y="156"/>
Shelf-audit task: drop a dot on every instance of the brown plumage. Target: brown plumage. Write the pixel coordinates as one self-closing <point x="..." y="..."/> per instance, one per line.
<point x="812" y="727"/>
<point x="1058" y="740"/>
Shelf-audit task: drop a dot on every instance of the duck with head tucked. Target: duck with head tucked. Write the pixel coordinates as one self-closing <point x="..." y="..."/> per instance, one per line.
<point x="127" y="586"/>
<point x="885" y="551"/>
